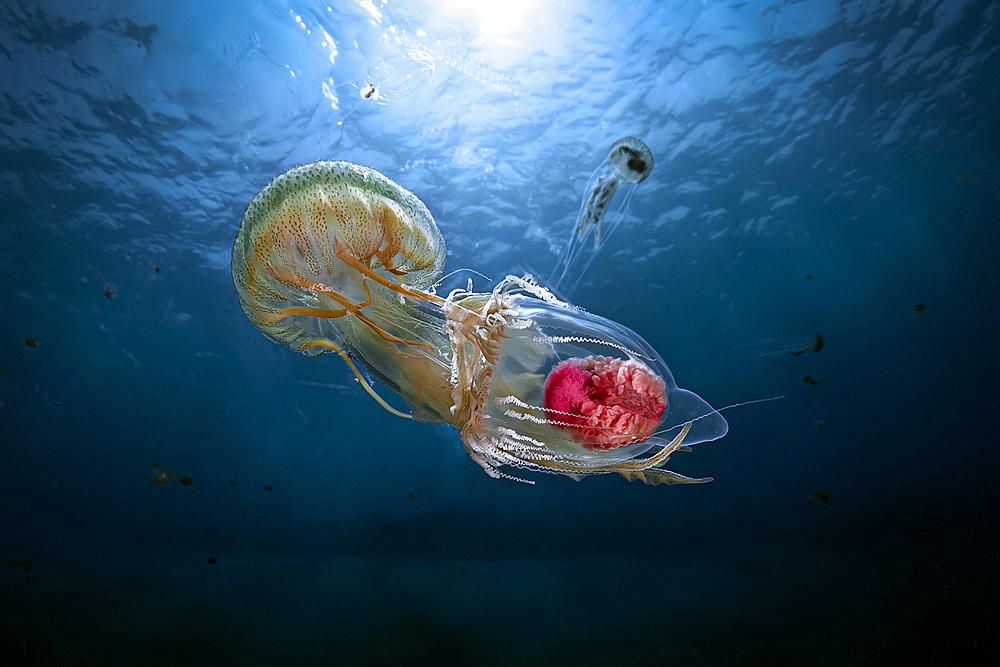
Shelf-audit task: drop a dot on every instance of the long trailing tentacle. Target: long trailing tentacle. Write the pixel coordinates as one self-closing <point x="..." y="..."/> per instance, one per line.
<point x="330" y="345"/>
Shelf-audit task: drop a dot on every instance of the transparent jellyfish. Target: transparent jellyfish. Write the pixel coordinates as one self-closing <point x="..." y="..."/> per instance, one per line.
<point x="335" y="257"/>
<point x="390" y="79"/>
<point x="629" y="162"/>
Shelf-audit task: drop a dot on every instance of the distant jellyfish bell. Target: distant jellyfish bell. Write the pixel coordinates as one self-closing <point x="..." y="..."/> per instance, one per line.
<point x="628" y="162"/>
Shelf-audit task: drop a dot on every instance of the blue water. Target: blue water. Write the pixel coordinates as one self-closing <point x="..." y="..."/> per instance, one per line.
<point x="821" y="167"/>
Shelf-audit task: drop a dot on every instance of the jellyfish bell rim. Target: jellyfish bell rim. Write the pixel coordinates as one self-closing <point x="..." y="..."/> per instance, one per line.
<point x="626" y="154"/>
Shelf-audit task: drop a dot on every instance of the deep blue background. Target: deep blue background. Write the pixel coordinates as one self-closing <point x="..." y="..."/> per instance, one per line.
<point x="821" y="167"/>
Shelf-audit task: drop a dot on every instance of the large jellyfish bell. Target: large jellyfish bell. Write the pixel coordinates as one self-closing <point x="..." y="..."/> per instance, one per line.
<point x="629" y="162"/>
<point x="335" y="257"/>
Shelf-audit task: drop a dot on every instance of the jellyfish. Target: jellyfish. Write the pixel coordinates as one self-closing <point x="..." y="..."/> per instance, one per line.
<point x="791" y="346"/>
<point x="629" y="161"/>
<point x="334" y="257"/>
<point x="390" y="79"/>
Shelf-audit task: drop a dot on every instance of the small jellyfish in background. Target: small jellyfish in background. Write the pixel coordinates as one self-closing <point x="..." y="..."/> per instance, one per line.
<point x="629" y="162"/>
<point x="333" y="257"/>
<point x="390" y="79"/>
<point x="792" y="346"/>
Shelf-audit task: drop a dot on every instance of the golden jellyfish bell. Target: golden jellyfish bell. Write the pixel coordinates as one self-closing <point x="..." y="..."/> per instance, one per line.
<point x="326" y="255"/>
<point x="310" y="238"/>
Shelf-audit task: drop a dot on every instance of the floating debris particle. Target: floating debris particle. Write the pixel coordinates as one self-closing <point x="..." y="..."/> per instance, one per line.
<point x="184" y="478"/>
<point x="31" y="341"/>
<point x="811" y="380"/>
<point x="110" y="290"/>
<point x="821" y="496"/>
<point x="268" y="488"/>
<point x="160" y="474"/>
<point x="919" y="309"/>
<point x="23" y="563"/>
<point x="212" y="560"/>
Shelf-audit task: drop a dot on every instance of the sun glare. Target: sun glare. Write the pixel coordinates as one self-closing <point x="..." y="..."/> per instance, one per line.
<point x="496" y="19"/>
